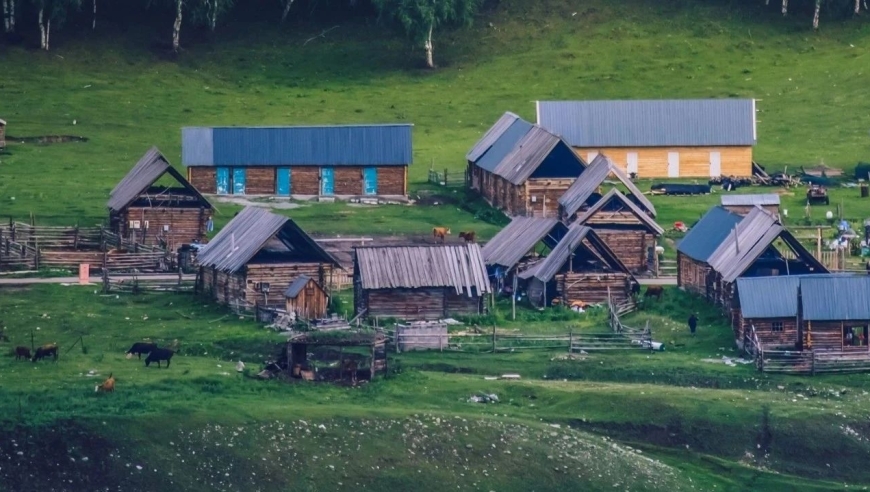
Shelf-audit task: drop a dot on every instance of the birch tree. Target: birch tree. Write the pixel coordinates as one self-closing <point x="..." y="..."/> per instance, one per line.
<point x="287" y="5"/>
<point x="420" y="18"/>
<point x="784" y="7"/>
<point x="9" y="16"/>
<point x="208" y="11"/>
<point x="816" y="14"/>
<point x="51" y="10"/>
<point x="176" y="26"/>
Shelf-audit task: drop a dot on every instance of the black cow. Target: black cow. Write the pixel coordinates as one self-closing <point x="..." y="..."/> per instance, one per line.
<point x="47" y="350"/>
<point x="140" y="348"/>
<point x="159" y="354"/>
<point x="654" y="291"/>
<point x="22" y="353"/>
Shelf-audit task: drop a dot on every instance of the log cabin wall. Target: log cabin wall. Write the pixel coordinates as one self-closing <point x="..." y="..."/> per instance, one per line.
<point x="773" y="332"/>
<point x="305" y="180"/>
<point x="461" y="303"/>
<point x="631" y="246"/>
<point x="692" y="275"/>
<point x="540" y="196"/>
<point x="279" y="276"/>
<point x="204" y="179"/>
<point x="185" y="225"/>
<point x="223" y="287"/>
<point x="393" y="180"/>
<point x="348" y="180"/>
<point x="652" y="162"/>
<point x="409" y="304"/>
<point x="825" y="335"/>
<point x="592" y="287"/>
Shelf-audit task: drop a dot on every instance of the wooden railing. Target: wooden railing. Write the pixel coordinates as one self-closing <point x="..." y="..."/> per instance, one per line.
<point x="447" y="178"/>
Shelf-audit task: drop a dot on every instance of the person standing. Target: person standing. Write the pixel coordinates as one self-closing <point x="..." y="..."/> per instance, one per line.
<point x="693" y="323"/>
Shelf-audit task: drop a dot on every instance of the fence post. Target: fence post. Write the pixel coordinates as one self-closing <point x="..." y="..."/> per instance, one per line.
<point x="493" y="338"/>
<point x="570" y="341"/>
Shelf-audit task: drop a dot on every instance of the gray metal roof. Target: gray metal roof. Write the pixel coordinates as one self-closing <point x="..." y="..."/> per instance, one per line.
<point x="651" y="123"/>
<point x="389" y="267"/>
<point x="768" y="297"/>
<point x="616" y="195"/>
<point x="296" y="286"/>
<point x="591" y="178"/>
<point x="749" y="200"/>
<point x="503" y="145"/>
<point x="513" y="242"/>
<point x="553" y="263"/>
<point x="335" y="145"/>
<point x="249" y="232"/>
<point x="146" y="172"/>
<point x="527" y="155"/>
<point x="835" y="297"/>
<point x="708" y="233"/>
<point x="491" y="136"/>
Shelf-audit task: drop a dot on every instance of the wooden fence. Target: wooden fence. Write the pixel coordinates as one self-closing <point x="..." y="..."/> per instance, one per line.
<point x="805" y="362"/>
<point x="447" y="178"/>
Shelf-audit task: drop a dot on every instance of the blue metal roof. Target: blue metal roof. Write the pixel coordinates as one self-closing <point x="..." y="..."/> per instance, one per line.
<point x="835" y="297"/>
<point x="341" y="145"/>
<point x="768" y="297"/>
<point x="657" y="123"/>
<point x="704" y="237"/>
<point x="504" y="144"/>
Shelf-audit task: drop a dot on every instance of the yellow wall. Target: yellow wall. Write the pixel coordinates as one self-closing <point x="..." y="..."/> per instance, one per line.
<point x="652" y="162"/>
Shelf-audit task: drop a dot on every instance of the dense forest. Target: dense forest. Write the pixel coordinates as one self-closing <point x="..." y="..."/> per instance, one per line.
<point x="419" y="19"/>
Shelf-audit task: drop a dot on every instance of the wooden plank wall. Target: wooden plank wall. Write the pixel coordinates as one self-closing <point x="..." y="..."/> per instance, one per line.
<point x="392" y="180"/>
<point x="223" y="287"/>
<point x="825" y="335"/>
<point x="409" y="304"/>
<point x="279" y="276"/>
<point x="348" y="180"/>
<point x="203" y="179"/>
<point x="652" y="162"/>
<point x="592" y="287"/>
<point x="546" y="192"/>
<point x="692" y="275"/>
<point x="185" y="225"/>
<point x="630" y="246"/>
<point x="770" y="339"/>
<point x="305" y="180"/>
<point x="461" y="303"/>
<point x="311" y="303"/>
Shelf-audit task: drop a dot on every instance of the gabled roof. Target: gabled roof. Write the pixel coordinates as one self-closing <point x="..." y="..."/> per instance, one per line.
<point x="145" y="173"/>
<point x="749" y="200"/>
<point x="296" y="286"/>
<point x="459" y="267"/>
<point x="708" y="233"/>
<point x="506" y="141"/>
<point x="527" y="155"/>
<point x="249" y="232"/>
<point x="651" y="123"/>
<point x="592" y="177"/>
<point x="616" y="195"/>
<point x="3" y="122"/>
<point x="491" y="136"/>
<point x="550" y="266"/>
<point x="513" y="242"/>
<point x="337" y="145"/>
<point x="835" y="297"/>
<point x="768" y="297"/>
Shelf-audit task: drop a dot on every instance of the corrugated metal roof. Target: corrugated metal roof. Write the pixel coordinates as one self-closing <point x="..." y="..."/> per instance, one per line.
<point x="491" y="135"/>
<point x="448" y="265"/>
<point x="504" y="144"/>
<point x="708" y="233"/>
<point x="553" y="263"/>
<point x="340" y="145"/>
<point x="749" y="200"/>
<point x="513" y="242"/>
<point x="296" y="286"/>
<point x="527" y="155"/>
<point x="616" y="195"/>
<point x="594" y="176"/>
<point x="651" y="123"/>
<point x="835" y="298"/>
<point x="146" y="172"/>
<point x="768" y="297"/>
<point x="758" y="227"/>
<point x="249" y="232"/>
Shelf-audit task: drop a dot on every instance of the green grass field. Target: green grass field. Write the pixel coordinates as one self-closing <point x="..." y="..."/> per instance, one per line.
<point x="637" y="421"/>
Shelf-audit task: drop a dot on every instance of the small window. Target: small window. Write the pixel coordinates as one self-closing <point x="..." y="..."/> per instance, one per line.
<point x="776" y="326"/>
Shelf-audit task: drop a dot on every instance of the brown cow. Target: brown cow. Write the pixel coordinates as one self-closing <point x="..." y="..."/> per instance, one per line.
<point x="47" y="350"/>
<point x="440" y="232"/>
<point x="654" y="291"/>
<point x="108" y="385"/>
<point x="22" y="353"/>
<point x="468" y="236"/>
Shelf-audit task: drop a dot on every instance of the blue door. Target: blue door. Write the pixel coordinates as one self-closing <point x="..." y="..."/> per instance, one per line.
<point x="222" y="180"/>
<point x="282" y="181"/>
<point x="370" y="181"/>
<point x="239" y="181"/>
<point x="327" y="181"/>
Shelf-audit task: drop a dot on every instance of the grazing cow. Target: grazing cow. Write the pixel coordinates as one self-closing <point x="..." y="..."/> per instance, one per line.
<point x="157" y="355"/>
<point x="351" y="366"/>
<point x="440" y="233"/>
<point x="468" y="236"/>
<point x="108" y="385"/>
<point x="140" y="348"/>
<point x="47" y="350"/>
<point x="22" y="353"/>
<point x="654" y="291"/>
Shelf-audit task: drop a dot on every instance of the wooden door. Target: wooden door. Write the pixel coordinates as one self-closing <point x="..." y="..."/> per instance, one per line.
<point x="282" y="181"/>
<point x="222" y="180"/>
<point x="673" y="164"/>
<point x="715" y="164"/>
<point x="631" y="162"/>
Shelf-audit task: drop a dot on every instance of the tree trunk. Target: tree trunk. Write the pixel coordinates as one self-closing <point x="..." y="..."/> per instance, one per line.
<point x="176" y="27"/>
<point x="12" y="15"/>
<point x="816" y="14"/>
<point x="5" y="15"/>
<point x="857" y="7"/>
<point x="94" y="22"/>
<point x="430" y="63"/>
<point x="784" y="7"/>
<point x="43" y="35"/>
<point x="286" y="9"/>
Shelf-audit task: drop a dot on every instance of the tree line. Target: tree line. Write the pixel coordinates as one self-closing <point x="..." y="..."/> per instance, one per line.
<point x="420" y="19"/>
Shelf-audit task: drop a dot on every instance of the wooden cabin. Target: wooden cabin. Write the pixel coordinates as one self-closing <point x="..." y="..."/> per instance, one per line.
<point x="524" y="240"/>
<point x="724" y="246"/>
<point x="306" y="298"/>
<point x="743" y="204"/>
<point x="521" y="168"/>
<point x="419" y="282"/>
<point x="659" y="138"/>
<point x="2" y="133"/>
<point x="767" y="306"/>
<point x="580" y="268"/>
<point x="155" y="205"/>
<point x="256" y="251"/>
<point x="342" y="161"/>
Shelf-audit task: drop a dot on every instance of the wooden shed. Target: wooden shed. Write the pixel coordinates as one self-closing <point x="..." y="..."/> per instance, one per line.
<point x="155" y="205"/>
<point x="659" y="138"/>
<point x="580" y="268"/>
<point x="2" y="133"/>
<point x="306" y="298"/>
<point x="419" y="282"/>
<point x="342" y="161"/>
<point x="524" y="240"/>
<point x="521" y="168"/>
<point x="359" y="356"/>
<point x="256" y="251"/>
<point x="743" y="204"/>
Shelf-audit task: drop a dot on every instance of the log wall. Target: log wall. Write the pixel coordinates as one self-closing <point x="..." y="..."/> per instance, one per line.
<point x="652" y="162"/>
<point x="185" y="225"/>
<point x="592" y="287"/>
<point x="408" y="304"/>
<point x="204" y="179"/>
<point x="825" y="335"/>
<point x="225" y="288"/>
<point x="540" y="197"/>
<point x="260" y="180"/>
<point x="279" y="276"/>
<point x="630" y="246"/>
<point x="770" y="339"/>
<point x="692" y="275"/>
<point x="461" y="303"/>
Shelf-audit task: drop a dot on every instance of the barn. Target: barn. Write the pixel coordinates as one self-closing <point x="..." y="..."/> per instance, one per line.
<point x="2" y="133"/>
<point x="724" y="246"/>
<point x="514" y="246"/>
<point x="659" y="138"/>
<point x="419" y="282"/>
<point x="306" y="298"/>
<point x="521" y="168"/>
<point x="341" y="161"/>
<point x="256" y="251"/>
<point x="743" y="204"/>
<point x="155" y="205"/>
<point x="580" y="268"/>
